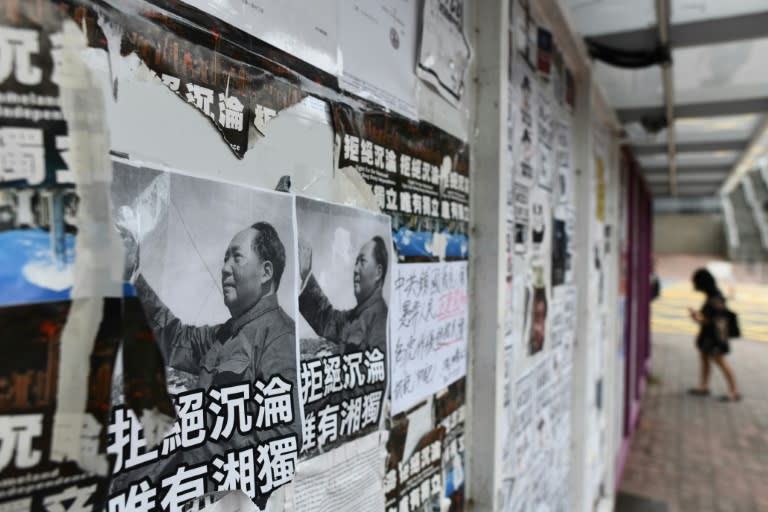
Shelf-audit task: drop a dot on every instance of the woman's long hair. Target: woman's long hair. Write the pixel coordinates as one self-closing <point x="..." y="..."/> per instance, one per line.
<point x="705" y="282"/>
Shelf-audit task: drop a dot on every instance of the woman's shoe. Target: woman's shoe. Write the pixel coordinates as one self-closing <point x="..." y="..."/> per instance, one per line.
<point x="698" y="392"/>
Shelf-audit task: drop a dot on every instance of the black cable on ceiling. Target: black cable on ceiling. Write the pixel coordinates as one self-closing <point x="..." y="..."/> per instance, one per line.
<point x="633" y="59"/>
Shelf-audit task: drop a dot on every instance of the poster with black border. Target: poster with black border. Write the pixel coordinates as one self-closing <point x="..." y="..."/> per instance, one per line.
<point x="345" y="275"/>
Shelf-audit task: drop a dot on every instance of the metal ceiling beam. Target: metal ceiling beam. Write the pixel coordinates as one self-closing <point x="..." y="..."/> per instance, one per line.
<point x="663" y="16"/>
<point x="697" y="33"/>
<point x="707" y="109"/>
<point x="684" y="147"/>
<point x="758" y="146"/>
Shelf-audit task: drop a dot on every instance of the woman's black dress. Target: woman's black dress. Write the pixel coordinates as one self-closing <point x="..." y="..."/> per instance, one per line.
<point x="713" y="335"/>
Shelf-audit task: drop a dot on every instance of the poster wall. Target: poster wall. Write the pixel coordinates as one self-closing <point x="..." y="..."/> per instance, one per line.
<point x="255" y="335"/>
<point x="541" y="298"/>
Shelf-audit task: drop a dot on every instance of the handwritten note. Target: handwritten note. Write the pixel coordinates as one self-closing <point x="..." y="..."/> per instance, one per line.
<point x="429" y="322"/>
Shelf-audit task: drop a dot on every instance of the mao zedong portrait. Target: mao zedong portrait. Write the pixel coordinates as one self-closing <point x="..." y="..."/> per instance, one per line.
<point x="363" y="327"/>
<point x="256" y="343"/>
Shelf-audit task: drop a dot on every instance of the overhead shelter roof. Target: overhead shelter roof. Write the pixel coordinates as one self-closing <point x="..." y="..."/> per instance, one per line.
<point x="714" y="93"/>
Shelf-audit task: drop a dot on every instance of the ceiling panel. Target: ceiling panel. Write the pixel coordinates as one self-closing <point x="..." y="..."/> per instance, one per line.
<point x="594" y="17"/>
<point x="727" y="71"/>
<point x="704" y="159"/>
<point x="686" y="11"/>
<point x="628" y="88"/>
<point x="698" y="129"/>
<point x="688" y="177"/>
<point x="684" y="189"/>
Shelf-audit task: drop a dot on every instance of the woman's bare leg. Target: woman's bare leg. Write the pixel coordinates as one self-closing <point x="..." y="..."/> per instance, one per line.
<point x="704" y="372"/>
<point x="728" y="374"/>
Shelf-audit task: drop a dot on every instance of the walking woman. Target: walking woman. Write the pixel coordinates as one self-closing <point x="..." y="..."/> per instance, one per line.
<point x="712" y="340"/>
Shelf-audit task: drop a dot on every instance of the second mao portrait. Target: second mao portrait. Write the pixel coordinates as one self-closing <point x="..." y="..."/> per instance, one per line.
<point x="345" y="267"/>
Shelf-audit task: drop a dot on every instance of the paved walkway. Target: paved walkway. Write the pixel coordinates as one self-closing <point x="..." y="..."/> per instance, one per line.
<point x="698" y="454"/>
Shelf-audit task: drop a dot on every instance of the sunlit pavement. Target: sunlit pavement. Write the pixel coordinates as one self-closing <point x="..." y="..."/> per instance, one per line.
<point x="750" y="301"/>
<point x="699" y="454"/>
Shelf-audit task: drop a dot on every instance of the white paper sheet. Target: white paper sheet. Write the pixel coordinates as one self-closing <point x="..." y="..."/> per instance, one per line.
<point x="97" y="271"/>
<point x="349" y="478"/>
<point x="377" y="43"/>
<point x="428" y="327"/>
<point x="306" y="30"/>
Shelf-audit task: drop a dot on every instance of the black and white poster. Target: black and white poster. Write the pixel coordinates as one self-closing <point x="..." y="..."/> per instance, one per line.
<point x="345" y="272"/>
<point x="213" y="267"/>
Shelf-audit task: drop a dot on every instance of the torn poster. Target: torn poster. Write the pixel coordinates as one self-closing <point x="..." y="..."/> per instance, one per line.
<point x="418" y="174"/>
<point x="345" y="272"/>
<point x="347" y="479"/>
<point x="30" y="477"/>
<point x="235" y="89"/>
<point x="307" y="31"/>
<point x="382" y="69"/>
<point x="430" y="322"/>
<point x="219" y="296"/>
<point x="37" y="195"/>
<point x="444" y="53"/>
<point x="425" y="466"/>
<point x="416" y="481"/>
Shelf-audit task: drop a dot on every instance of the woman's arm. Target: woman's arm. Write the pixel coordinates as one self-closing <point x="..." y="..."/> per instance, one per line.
<point x="696" y="316"/>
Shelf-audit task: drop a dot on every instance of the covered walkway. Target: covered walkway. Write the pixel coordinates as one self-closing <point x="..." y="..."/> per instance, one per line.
<point x="698" y="454"/>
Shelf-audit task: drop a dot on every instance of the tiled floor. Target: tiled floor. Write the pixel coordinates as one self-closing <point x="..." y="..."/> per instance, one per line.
<point x="698" y="454"/>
